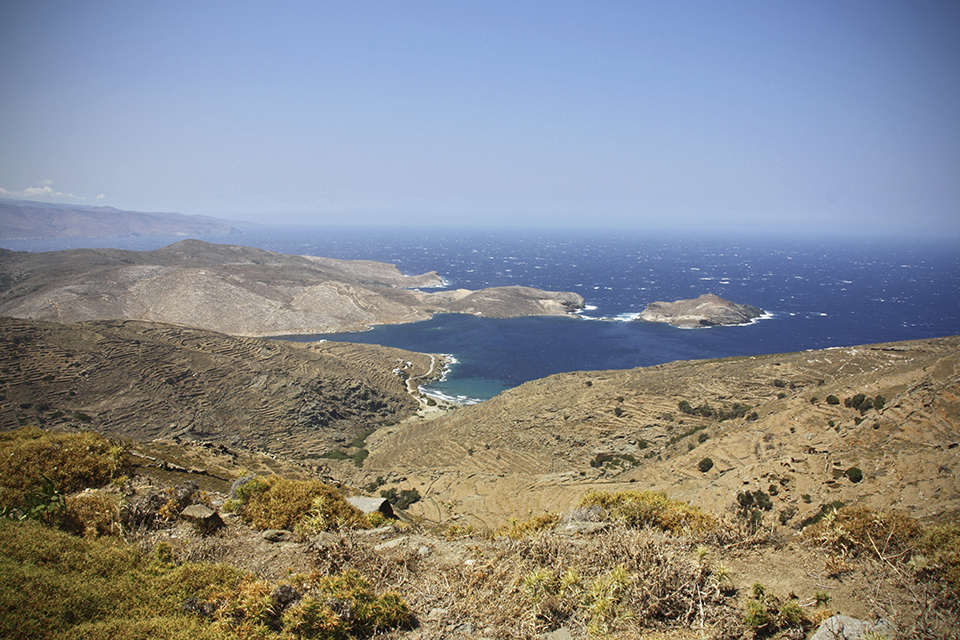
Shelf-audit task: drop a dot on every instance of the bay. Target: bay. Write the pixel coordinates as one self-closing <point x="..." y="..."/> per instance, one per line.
<point x="819" y="293"/>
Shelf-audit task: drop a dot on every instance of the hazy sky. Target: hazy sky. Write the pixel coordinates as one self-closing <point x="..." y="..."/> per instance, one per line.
<point x="772" y="115"/>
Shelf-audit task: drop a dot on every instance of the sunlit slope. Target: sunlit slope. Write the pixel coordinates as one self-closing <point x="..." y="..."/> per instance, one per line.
<point x="770" y="428"/>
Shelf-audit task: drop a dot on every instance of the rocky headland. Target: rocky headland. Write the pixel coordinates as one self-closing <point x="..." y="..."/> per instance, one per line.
<point x="243" y="291"/>
<point x="706" y="311"/>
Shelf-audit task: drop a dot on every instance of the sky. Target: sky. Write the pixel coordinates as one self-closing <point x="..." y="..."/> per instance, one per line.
<point x="790" y="117"/>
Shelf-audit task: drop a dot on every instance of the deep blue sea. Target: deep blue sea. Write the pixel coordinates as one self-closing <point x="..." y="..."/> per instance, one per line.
<point x="817" y="293"/>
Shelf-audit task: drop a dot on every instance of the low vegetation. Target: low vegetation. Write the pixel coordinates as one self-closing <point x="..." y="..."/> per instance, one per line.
<point x="731" y="412"/>
<point x="643" y="509"/>
<point x="34" y="463"/>
<point x="61" y="586"/>
<point x="642" y="563"/>
<point x="306" y="505"/>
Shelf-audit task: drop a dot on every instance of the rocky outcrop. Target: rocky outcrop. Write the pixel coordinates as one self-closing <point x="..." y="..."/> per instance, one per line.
<point x="243" y="290"/>
<point x="706" y="311"/>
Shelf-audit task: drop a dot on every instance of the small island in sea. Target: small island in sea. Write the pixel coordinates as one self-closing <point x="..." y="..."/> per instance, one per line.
<point x="706" y="311"/>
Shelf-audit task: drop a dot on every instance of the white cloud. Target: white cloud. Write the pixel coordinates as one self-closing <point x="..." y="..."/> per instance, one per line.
<point x="39" y="192"/>
<point x="101" y="196"/>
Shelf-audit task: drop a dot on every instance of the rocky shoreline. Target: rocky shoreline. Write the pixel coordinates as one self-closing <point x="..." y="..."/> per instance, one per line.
<point x="707" y="310"/>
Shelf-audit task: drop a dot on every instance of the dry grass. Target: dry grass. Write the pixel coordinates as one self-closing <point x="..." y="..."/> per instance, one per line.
<point x="619" y="581"/>
<point x="275" y="503"/>
<point x="639" y="509"/>
<point x="70" y="461"/>
<point x="924" y="563"/>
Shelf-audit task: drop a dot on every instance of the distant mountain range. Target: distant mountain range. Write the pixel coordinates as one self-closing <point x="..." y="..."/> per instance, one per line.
<point x="27" y="220"/>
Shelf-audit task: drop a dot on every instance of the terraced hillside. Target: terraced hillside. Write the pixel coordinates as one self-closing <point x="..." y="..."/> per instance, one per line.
<point x="764" y="423"/>
<point x="143" y="380"/>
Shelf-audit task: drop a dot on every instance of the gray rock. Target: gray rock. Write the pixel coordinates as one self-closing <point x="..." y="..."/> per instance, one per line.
<point x="203" y="517"/>
<point x="392" y="544"/>
<point x="239" y="482"/>
<point x="372" y="505"/>
<point x="436" y="614"/>
<point x="379" y="531"/>
<point x="847" y="628"/>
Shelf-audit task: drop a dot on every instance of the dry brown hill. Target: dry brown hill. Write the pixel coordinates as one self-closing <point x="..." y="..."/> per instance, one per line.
<point x="142" y="381"/>
<point x="541" y="445"/>
<point x="242" y="290"/>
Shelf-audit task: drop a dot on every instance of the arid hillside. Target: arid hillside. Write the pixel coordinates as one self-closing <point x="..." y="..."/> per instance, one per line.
<point x="761" y="447"/>
<point x="243" y="290"/>
<point x="142" y="381"/>
<point x="702" y="431"/>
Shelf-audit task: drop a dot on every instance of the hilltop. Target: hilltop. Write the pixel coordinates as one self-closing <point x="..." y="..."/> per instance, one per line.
<point x="243" y="290"/>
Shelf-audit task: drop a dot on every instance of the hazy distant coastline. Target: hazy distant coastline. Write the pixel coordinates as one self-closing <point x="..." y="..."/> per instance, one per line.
<point x="28" y="220"/>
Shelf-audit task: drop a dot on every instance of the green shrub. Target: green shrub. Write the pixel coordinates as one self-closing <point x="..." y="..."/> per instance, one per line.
<point x="941" y="543"/>
<point x="855" y="401"/>
<point x="33" y="461"/>
<point x="857" y="529"/>
<point x="855" y="474"/>
<point x="705" y="465"/>
<point x="518" y="529"/>
<point x="751" y="505"/>
<point x="372" y="614"/>
<point x="650" y="509"/>
<point x="755" y="614"/>
<point x="276" y="503"/>
<point x="58" y="584"/>
<point x="825" y="510"/>
<point x="832" y="399"/>
<point x="790" y="615"/>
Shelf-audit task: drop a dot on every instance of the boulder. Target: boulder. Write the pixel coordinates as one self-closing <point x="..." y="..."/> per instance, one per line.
<point x="373" y="505"/>
<point x="276" y="535"/>
<point x="203" y="517"/>
<point x="846" y="628"/>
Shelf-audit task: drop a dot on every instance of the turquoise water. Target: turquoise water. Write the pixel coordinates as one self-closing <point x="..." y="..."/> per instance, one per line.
<point x="818" y="294"/>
